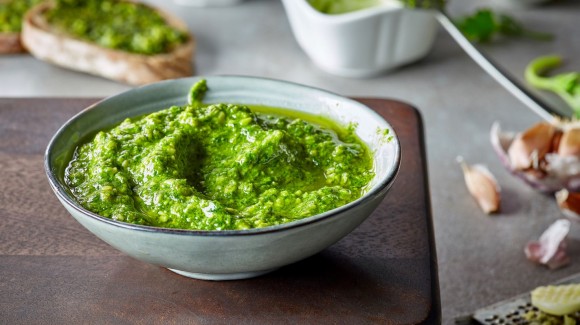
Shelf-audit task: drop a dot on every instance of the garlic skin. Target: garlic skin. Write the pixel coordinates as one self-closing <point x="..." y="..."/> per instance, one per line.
<point x="482" y="185"/>
<point x="551" y="171"/>
<point x="550" y="249"/>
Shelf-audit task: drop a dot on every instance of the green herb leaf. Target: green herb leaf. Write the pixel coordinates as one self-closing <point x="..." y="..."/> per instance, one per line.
<point x="485" y="25"/>
<point x="508" y="26"/>
<point x="480" y="27"/>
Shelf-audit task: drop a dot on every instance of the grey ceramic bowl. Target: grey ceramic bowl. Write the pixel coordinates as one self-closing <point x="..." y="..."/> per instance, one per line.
<point x="223" y="255"/>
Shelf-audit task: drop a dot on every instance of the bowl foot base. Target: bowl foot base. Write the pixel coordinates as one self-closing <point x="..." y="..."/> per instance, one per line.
<point x="221" y="277"/>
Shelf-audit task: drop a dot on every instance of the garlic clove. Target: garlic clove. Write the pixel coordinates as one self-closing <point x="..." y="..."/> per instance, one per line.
<point x="556" y="141"/>
<point x="550" y="249"/>
<point x="569" y="203"/>
<point x="569" y="144"/>
<point x="531" y="146"/>
<point x="482" y="185"/>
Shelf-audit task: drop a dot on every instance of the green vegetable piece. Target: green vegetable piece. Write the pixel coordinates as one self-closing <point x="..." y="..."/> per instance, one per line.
<point x="557" y="300"/>
<point x="197" y="92"/>
<point x="565" y="85"/>
<point x="485" y="25"/>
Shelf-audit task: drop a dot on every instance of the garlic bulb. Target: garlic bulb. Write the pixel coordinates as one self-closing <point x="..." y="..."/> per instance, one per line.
<point x="546" y="156"/>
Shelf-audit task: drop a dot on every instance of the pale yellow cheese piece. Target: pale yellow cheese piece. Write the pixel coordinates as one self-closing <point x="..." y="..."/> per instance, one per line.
<point x="557" y="300"/>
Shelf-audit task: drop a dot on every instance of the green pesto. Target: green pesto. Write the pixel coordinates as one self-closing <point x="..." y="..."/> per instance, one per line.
<point x="219" y="167"/>
<point x="11" y="13"/>
<point x="540" y="318"/>
<point x="337" y="7"/>
<point x="114" y="24"/>
<point x="384" y="135"/>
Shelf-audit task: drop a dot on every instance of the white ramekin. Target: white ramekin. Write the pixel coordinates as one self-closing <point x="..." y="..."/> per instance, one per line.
<point x="365" y="42"/>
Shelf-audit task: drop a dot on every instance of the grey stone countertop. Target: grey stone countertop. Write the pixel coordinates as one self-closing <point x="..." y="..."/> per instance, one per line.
<point x="481" y="259"/>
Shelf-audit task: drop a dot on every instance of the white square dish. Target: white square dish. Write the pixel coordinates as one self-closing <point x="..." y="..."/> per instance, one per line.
<point x="362" y="43"/>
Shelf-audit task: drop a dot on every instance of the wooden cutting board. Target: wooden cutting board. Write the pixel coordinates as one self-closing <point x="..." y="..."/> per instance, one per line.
<point x="53" y="271"/>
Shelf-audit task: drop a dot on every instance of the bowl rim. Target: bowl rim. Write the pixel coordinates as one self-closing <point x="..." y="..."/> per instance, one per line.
<point x="60" y="190"/>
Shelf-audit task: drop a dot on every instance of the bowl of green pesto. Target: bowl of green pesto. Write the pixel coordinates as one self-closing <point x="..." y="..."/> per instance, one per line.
<point x="222" y="177"/>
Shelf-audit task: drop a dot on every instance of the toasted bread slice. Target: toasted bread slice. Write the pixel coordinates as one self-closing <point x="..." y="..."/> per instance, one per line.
<point x="46" y="43"/>
<point x="10" y="43"/>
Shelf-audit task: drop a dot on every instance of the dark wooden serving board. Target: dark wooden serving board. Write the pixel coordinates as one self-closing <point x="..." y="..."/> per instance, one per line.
<point x="53" y="271"/>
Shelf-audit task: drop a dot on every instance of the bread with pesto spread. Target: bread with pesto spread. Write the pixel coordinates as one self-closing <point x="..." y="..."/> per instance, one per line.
<point x="10" y="43"/>
<point x="11" y="13"/>
<point x="52" y="43"/>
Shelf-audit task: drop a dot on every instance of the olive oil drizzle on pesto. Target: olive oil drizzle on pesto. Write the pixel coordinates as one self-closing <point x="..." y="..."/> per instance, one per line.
<point x="218" y="167"/>
<point x="116" y="24"/>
